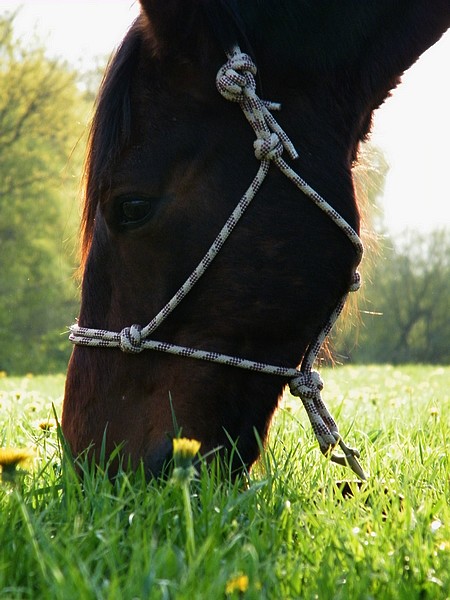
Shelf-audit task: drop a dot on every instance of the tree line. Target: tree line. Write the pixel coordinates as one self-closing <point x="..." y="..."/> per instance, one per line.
<point x="44" y="109"/>
<point x="402" y="313"/>
<point x="42" y="117"/>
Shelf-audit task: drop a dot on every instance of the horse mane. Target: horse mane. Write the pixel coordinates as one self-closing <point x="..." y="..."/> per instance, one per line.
<point x="110" y="130"/>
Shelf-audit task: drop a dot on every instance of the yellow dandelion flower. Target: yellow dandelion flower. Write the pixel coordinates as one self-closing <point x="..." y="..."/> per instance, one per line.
<point x="185" y="449"/>
<point x="434" y="411"/>
<point x="3" y="374"/>
<point x="237" y="584"/>
<point x="47" y="425"/>
<point x="14" y="456"/>
<point x="11" y="458"/>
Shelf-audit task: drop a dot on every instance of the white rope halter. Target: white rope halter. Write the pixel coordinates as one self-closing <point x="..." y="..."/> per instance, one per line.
<point x="235" y="81"/>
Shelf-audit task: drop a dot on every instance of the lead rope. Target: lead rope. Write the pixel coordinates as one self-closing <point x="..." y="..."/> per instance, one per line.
<point x="236" y="82"/>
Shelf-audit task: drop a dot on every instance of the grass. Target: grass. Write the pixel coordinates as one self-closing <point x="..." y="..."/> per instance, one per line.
<point x="288" y="534"/>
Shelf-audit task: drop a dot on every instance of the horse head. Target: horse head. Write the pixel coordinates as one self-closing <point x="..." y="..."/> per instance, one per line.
<point x="169" y="158"/>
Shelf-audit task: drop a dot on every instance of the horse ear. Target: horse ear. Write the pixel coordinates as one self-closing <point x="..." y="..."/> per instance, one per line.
<point x="174" y="25"/>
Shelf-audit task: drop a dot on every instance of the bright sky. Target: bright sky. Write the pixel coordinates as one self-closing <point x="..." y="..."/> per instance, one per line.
<point x="412" y="128"/>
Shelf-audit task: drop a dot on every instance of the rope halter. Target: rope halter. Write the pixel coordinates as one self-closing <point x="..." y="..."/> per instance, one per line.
<point x="236" y="82"/>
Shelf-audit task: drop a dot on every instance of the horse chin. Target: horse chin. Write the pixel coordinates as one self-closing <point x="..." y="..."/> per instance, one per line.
<point x="157" y="461"/>
<point x="135" y="425"/>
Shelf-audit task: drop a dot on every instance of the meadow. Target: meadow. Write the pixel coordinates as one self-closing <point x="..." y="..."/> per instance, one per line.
<point x="286" y="531"/>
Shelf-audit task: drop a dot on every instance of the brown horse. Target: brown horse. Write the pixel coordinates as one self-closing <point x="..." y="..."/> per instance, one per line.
<point x="168" y="161"/>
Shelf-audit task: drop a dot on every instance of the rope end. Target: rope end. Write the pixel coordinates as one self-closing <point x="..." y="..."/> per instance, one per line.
<point x="349" y="459"/>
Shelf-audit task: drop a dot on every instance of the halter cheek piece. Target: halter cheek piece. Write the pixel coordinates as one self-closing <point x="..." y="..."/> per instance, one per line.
<point x="236" y="82"/>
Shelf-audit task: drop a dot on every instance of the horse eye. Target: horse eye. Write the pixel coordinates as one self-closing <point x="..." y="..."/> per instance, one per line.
<point x="134" y="212"/>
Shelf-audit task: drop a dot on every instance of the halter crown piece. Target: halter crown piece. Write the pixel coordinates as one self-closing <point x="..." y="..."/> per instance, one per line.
<point x="236" y="82"/>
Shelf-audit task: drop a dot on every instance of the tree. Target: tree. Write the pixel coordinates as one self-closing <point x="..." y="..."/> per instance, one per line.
<point x="41" y="119"/>
<point x="405" y="310"/>
<point x="412" y="294"/>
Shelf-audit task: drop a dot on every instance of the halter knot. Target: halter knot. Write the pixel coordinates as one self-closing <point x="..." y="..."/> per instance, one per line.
<point x="236" y="77"/>
<point x="131" y="339"/>
<point x="306" y="385"/>
<point x="269" y="148"/>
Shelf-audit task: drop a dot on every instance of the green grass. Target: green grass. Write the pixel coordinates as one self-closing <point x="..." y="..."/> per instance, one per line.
<point x="288" y="531"/>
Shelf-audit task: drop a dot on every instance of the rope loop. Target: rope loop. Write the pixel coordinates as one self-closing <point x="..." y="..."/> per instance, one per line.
<point x="131" y="339"/>
<point x="306" y="385"/>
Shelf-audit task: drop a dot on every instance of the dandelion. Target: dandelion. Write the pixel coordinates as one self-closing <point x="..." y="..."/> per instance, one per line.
<point x="10" y="459"/>
<point x="3" y="374"/>
<point x="47" y="425"/>
<point x="237" y="584"/>
<point x="434" y="412"/>
<point x="184" y="452"/>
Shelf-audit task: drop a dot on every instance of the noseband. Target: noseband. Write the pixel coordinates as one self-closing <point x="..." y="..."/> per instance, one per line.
<point x="236" y="82"/>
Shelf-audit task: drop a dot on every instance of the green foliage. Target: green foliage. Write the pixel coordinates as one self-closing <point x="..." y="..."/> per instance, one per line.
<point x="41" y="111"/>
<point x="404" y="306"/>
<point x="289" y="531"/>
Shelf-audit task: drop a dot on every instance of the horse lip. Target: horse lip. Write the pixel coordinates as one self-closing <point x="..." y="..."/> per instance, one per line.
<point x="157" y="459"/>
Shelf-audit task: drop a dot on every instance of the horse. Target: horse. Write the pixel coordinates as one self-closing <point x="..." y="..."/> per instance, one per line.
<point x="185" y="133"/>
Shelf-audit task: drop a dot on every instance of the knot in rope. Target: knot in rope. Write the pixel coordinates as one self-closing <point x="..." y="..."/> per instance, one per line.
<point x="356" y="282"/>
<point x="131" y="339"/>
<point x="269" y="148"/>
<point x="236" y="79"/>
<point x="306" y="385"/>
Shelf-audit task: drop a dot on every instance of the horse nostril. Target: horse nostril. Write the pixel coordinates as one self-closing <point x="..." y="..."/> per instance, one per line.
<point x="156" y="461"/>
